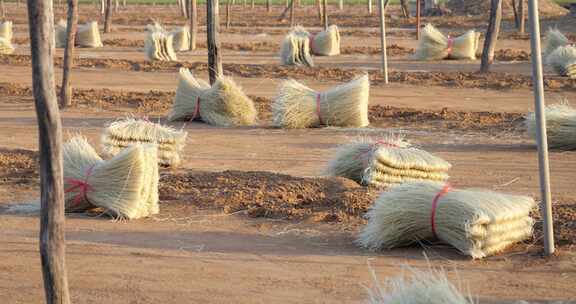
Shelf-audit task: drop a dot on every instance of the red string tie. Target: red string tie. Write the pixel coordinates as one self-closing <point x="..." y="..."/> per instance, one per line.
<point x="450" y="43"/>
<point x="197" y="109"/>
<point x="79" y="185"/>
<point x="447" y="188"/>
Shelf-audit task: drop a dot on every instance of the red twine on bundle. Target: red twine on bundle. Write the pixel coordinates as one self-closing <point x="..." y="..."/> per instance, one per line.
<point x="450" y="43"/>
<point x="197" y="109"/>
<point x="444" y="190"/>
<point x="80" y="185"/>
<point x="318" y="108"/>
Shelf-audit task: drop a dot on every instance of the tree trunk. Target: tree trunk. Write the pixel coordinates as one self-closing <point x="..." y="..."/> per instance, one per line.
<point x="491" y="35"/>
<point x="325" y="14"/>
<point x="72" y="21"/>
<point x="52" y="239"/>
<point x="193" y="23"/>
<point x="214" y="57"/>
<point x="522" y="16"/>
<point x="108" y="17"/>
<point x="228" y="4"/>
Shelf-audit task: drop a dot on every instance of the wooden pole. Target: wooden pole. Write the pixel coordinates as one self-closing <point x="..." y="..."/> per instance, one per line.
<point x="214" y="57"/>
<point x="541" y="138"/>
<point x="340" y="4"/>
<point x="384" y="68"/>
<point x="251" y="4"/>
<point x="491" y="35"/>
<point x="52" y="239"/>
<point x="369" y="7"/>
<point x="108" y="17"/>
<point x="268" y="6"/>
<point x="516" y="14"/>
<point x="522" y="17"/>
<point x="405" y="9"/>
<point x="325" y="14"/>
<point x="72" y="21"/>
<point x="291" y="13"/>
<point x="102" y="7"/>
<point x="193" y="23"/>
<point x="3" y="9"/>
<point x="319" y="4"/>
<point x="228" y="4"/>
<point x="418" y="13"/>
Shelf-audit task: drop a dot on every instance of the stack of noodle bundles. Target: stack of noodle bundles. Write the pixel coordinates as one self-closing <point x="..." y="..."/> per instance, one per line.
<point x="298" y="106"/>
<point x="326" y="43"/>
<point x="560" y="126"/>
<point x="125" y="186"/>
<point x="6" y="46"/>
<point x="158" y="46"/>
<point x="477" y="223"/>
<point x="386" y="162"/>
<point x="128" y="132"/>
<point x="434" y="45"/>
<point x="295" y="48"/>
<point x="222" y="104"/>
<point x="88" y="35"/>
<point x="181" y="39"/>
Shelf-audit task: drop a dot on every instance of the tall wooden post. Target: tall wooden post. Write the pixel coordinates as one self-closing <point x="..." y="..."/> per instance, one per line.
<point x="214" y="57"/>
<point x="228" y="4"/>
<point x="405" y="10"/>
<point x="2" y="9"/>
<point x="193" y="13"/>
<point x="522" y="17"/>
<point x="108" y="17"/>
<point x="384" y="67"/>
<point x="369" y="7"/>
<point x="418" y="13"/>
<point x="292" y="13"/>
<point x="491" y="35"/>
<point x="340" y="4"/>
<point x="319" y="4"/>
<point x="516" y="14"/>
<point x="52" y="240"/>
<point x="268" y="6"/>
<point x="72" y="21"/>
<point x="251" y="4"/>
<point x="325" y="14"/>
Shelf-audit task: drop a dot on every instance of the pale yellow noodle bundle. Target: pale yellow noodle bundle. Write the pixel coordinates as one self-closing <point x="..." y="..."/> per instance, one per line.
<point x="560" y="126"/>
<point x="386" y="162"/>
<point x="434" y="45"/>
<point x="298" y="106"/>
<point x="88" y="35"/>
<point x="158" y="46"/>
<point x="128" y="132"/>
<point x="61" y="34"/>
<point x="222" y="104"/>
<point x="477" y="223"/>
<point x="563" y="61"/>
<point x="554" y="39"/>
<point x="431" y="287"/>
<point x="181" y="39"/>
<point x="326" y="43"/>
<point x="295" y="48"/>
<point x="6" y="47"/>
<point x="6" y="30"/>
<point x="125" y="186"/>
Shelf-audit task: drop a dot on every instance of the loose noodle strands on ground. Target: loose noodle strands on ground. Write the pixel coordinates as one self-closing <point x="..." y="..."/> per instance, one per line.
<point x="88" y="35"/>
<point x="403" y="216"/>
<point x="326" y="43"/>
<point x="346" y="105"/>
<point x="560" y="126"/>
<point x="187" y="97"/>
<point x="181" y="39"/>
<point x="6" y="30"/>
<point x="554" y="40"/>
<point x="563" y="61"/>
<point x="430" y="287"/>
<point x="60" y="33"/>
<point x="434" y="45"/>
<point x="125" y="186"/>
<point x="6" y="47"/>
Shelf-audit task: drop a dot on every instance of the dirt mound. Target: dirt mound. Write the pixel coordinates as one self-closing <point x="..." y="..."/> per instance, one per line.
<point x="481" y="7"/>
<point x="18" y="167"/>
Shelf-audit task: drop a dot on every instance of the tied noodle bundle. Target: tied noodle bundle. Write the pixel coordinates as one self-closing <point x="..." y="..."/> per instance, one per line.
<point x="477" y="223"/>
<point x="560" y="126"/>
<point x="222" y="104"/>
<point x="563" y="61"/>
<point x="430" y="287"/>
<point x="326" y="43"/>
<point x="434" y="45"/>
<point x="125" y="186"/>
<point x="181" y="39"/>
<point x="128" y="132"/>
<point x="87" y="35"/>
<point x="6" y="47"/>
<point x="298" y="106"/>
<point x="158" y="46"/>
<point x="295" y="48"/>
<point x="385" y="163"/>
<point x="554" y="39"/>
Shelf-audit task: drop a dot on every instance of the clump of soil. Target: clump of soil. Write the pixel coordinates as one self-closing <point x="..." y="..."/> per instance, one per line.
<point x="264" y="194"/>
<point x="564" y="215"/>
<point x="511" y="55"/>
<point x="18" y="167"/>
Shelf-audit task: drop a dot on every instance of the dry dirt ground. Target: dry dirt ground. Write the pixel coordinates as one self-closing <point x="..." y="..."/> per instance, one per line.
<point x="249" y="217"/>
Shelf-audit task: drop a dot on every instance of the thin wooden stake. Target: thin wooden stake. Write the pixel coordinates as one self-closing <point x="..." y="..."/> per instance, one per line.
<point x="325" y="14"/>
<point x="193" y="24"/>
<point x="251" y="4"/>
<point x="491" y="35"/>
<point x="319" y="4"/>
<point x="71" y="23"/>
<point x="384" y="68"/>
<point x="52" y="238"/>
<point x="418" y="13"/>
<point x="291" y="13"/>
<point x="228" y="4"/>
<point x="522" y="17"/>
<point x="369" y="7"/>
<point x="3" y="9"/>
<point x="268" y="6"/>
<point x="541" y="138"/>
<point x="108" y="17"/>
<point x="340" y="4"/>
<point x="214" y="57"/>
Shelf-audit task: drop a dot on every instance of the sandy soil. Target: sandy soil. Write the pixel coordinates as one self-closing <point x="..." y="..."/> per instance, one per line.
<point x="249" y="216"/>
